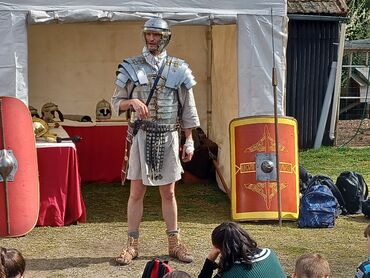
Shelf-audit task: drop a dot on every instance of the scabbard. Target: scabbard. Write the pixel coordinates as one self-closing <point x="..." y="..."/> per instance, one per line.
<point x="125" y="161"/>
<point x="126" y="155"/>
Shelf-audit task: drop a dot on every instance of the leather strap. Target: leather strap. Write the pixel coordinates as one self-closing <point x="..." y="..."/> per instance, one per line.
<point x="156" y="82"/>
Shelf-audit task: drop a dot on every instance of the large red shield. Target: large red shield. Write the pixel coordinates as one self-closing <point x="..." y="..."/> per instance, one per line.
<point x="19" y="181"/>
<point x="251" y="197"/>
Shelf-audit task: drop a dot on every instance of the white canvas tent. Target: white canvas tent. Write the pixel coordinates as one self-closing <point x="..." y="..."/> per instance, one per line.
<point x="230" y="45"/>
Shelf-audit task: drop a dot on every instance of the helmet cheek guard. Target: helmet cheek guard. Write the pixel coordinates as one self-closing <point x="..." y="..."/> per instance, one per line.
<point x="164" y="41"/>
<point x="159" y="26"/>
<point x="60" y="115"/>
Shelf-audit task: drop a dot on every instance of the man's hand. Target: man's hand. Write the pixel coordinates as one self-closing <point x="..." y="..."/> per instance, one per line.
<point x="186" y="157"/>
<point x="140" y="108"/>
<point x="188" y="150"/>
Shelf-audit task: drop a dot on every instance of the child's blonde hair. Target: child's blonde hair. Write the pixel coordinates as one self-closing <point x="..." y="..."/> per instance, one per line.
<point x="311" y="265"/>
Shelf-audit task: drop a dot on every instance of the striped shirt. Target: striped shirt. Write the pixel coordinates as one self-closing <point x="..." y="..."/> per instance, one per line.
<point x="363" y="270"/>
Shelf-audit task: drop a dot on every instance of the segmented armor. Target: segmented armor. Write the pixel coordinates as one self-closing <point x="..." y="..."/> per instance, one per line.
<point x="163" y="107"/>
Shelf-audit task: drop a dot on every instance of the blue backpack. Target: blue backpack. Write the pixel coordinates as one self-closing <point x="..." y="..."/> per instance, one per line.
<point x="318" y="206"/>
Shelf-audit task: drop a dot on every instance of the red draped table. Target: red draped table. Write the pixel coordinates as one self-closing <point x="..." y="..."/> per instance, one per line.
<point x="100" y="151"/>
<point x="61" y="201"/>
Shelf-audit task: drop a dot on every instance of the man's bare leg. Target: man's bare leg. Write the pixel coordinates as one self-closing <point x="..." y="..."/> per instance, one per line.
<point x="169" y="206"/>
<point x="169" y="212"/>
<point x="135" y="207"/>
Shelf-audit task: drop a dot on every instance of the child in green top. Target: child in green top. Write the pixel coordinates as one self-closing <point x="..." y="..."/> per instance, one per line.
<point x="239" y="255"/>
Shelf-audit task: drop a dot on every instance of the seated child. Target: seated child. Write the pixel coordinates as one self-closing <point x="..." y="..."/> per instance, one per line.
<point x="363" y="270"/>
<point x="239" y="255"/>
<point x="12" y="263"/>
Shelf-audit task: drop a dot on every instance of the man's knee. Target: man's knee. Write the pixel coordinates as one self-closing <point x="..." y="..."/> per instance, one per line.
<point x="137" y="190"/>
<point x="137" y="196"/>
<point x="168" y="195"/>
<point x="167" y="192"/>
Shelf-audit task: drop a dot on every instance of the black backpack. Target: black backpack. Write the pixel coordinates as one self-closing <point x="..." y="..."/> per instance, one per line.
<point x="366" y="208"/>
<point x="353" y="189"/>
<point x="304" y="179"/>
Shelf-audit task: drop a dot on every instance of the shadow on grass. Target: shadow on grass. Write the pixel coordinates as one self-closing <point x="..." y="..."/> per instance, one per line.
<point x="200" y="203"/>
<point x="65" y="263"/>
<point x="79" y="262"/>
<point x="358" y="218"/>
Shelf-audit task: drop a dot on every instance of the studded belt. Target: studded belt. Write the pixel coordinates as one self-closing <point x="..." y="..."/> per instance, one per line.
<point x="154" y="144"/>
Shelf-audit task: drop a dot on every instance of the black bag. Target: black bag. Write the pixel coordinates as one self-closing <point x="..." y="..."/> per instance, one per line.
<point x="354" y="191"/>
<point x="304" y="178"/>
<point x="366" y="208"/>
<point x="156" y="268"/>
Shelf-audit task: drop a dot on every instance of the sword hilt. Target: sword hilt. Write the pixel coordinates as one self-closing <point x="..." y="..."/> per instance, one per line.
<point x="74" y="139"/>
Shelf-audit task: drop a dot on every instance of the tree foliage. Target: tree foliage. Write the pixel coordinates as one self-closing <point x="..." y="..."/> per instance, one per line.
<point x="358" y="26"/>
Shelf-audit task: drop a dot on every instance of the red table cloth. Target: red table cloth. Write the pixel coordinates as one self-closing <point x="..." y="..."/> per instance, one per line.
<point x="100" y="151"/>
<point x="61" y="201"/>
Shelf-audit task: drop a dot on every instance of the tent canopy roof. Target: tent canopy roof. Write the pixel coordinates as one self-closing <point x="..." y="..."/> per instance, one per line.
<point x="159" y="6"/>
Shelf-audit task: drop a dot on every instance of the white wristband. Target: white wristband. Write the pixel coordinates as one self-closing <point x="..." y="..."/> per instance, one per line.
<point x="189" y="146"/>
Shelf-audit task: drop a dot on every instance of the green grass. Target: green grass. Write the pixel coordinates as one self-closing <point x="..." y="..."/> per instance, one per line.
<point x="87" y="250"/>
<point x="333" y="161"/>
